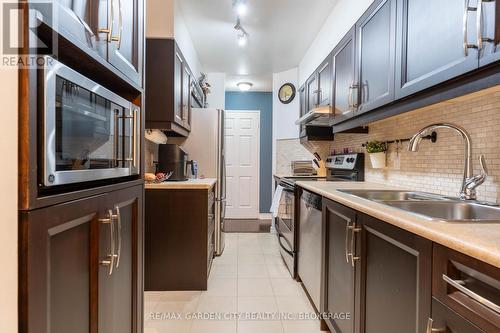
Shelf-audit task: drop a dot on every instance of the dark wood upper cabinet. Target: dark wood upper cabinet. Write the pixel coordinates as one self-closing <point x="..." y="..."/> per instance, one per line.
<point x="312" y="92"/>
<point x="126" y="39"/>
<point x="65" y="280"/>
<point x="325" y="82"/>
<point x="375" y="55"/>
<point x="431" y="43"/>
<point x="303" y="108"/>
<point x="187" y="78"/>
<point x="339" y="287"/>
<point x="344" y="85"/>
<point x="111" y="31"/>
<point x="490" y="32"/>
<point x="168" y="78"/>
<point x="395" y="279"/>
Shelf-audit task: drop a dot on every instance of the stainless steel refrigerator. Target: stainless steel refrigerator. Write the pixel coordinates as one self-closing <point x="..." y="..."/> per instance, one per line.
<point x="205" y="144"/>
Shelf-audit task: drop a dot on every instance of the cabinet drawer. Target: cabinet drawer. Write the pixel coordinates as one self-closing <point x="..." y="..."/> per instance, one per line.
<point x="446" y="320"/>
<point x="467" y="286"/>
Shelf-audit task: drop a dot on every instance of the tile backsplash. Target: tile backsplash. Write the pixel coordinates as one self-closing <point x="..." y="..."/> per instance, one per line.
<point x="436" y="167"/>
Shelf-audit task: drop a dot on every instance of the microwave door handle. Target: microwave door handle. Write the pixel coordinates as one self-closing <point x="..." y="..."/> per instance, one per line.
<point x="117" y="134"/>
<point x="135" y="137"/>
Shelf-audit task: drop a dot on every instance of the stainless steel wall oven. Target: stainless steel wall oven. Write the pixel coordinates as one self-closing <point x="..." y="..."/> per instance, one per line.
<point x="88" y="132"/>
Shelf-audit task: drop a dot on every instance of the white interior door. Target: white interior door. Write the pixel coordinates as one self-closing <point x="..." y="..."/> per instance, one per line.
<point x="242" y="138"/>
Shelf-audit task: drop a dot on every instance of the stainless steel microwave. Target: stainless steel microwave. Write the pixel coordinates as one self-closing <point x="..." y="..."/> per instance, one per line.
<point x="89" y="132"/>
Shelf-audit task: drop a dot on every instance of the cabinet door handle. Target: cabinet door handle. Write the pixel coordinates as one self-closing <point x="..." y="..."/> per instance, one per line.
<point x="347" y="228"/>
<point x="111" y="23"/>
<point x="119" y="232"/>
<point x="429" y="328"/>
<point x="120" y="25"/>
<point x="351" y="100"/>
<point x="467" y="46"/>
<point x="459" y="285"/>
<point x="479" y="25"/>
<point x="110" y="261"/>
<point x="352" y="254"/>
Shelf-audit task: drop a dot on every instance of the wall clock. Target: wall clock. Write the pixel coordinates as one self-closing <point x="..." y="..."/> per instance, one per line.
<point x="286" y="94"/>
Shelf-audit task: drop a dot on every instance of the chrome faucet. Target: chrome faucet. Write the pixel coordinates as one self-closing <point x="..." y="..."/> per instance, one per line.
<point x="469" y="182"/>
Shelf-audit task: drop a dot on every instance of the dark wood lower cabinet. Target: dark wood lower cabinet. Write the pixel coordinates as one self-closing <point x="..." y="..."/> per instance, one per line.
<point x="445" y="320"/>
<point x="65" y="285"/>
<point x="377" y="276"/>
<point x="340" y="274"/>
<point x="395" y="279"/>
<point x="179" y="238"/>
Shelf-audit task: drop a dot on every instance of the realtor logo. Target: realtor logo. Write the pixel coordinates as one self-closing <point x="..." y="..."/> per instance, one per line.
<point x="27" y="34"/>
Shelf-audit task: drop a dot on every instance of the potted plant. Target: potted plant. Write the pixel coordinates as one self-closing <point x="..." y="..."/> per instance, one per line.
<point x="377" y="152"/>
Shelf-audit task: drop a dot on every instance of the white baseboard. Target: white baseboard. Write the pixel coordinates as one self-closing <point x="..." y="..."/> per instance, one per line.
<point x="265" y="216"/>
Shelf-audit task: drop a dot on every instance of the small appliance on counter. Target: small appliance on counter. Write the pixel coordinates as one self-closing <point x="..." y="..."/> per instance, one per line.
<point x="172" y="158"/>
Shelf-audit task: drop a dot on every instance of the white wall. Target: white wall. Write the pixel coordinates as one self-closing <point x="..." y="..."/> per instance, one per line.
<point x="217" y="97"/>
<point x="343" y="16"/>
<point x="285" y="115"/>
<point x="183" y="38"/>
<point x="8" y="199"/>
<point x="164" y="19"/>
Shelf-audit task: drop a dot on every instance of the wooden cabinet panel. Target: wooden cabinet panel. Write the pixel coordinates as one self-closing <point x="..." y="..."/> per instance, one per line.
<point x="325" y="82"/>
<point x="431" y="46"/>
<point x="395" y="279"/>
<point x="344" y="88"/>
<point x="178" y="87"/>
<point x="168" y="79"/>
<point x="339" y="285"/>
<point x="375" y="55"/>
<point x="65" y="285"/>
<point x="58" y="265"/>
<point x="120" y="293"/>
<point x="455" y="276"/>
<point x="303" y="108"/>
<point x="490" y="33"/>
<point x="445" y="320"/>
<point x="177" y="235"/>
<point x="312" y="92"/>
<point x="186" y="97"/>
<point x="126" y="42"/>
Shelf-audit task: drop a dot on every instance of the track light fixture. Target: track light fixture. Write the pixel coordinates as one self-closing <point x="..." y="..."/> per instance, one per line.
<point x="241" y="8"/>
<point x="242" y="35"/>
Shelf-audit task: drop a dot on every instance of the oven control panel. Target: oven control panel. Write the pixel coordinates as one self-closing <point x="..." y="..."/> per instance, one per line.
<point x="342" y="162"/>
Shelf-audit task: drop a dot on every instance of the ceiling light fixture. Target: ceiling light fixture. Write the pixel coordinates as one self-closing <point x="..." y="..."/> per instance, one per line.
<point x="242" y="40"/>
<point x="243" y="34"/>
<point x="245" y="86"/>
<point x="240" y="6"/>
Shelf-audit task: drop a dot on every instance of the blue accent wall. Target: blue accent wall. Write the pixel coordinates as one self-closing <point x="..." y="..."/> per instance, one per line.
<point x="262" y="101"/>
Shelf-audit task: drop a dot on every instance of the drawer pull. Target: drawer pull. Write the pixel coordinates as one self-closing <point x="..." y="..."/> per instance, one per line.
<point x="429" y="329"/>
<point x="459" y="285"/>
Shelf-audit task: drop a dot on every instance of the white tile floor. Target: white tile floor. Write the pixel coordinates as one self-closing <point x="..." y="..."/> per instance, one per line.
<point x="248" y="279"/>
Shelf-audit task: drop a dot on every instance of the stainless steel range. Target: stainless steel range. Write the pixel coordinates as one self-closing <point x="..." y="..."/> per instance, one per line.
<point x="305" y="214"/>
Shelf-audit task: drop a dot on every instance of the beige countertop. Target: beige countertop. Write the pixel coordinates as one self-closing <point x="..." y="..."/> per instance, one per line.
<point x="191" y="184"/>
<point x="478" y="240"/>
<point x="283" y="175"/>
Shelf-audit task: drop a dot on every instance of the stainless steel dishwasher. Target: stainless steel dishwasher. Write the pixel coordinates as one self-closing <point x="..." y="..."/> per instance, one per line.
<point x="309" y="254"/>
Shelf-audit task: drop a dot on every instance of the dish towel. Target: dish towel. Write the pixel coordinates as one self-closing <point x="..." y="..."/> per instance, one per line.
<point x="276" y="201"/>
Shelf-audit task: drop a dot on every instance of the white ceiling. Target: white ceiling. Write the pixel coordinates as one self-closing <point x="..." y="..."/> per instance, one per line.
<point x="280" y="33"/>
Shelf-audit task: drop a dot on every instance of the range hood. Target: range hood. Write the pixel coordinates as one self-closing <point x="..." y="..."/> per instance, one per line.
<point x="316" y="117"/>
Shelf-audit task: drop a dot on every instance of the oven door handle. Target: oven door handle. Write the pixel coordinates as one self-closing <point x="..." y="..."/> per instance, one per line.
<point x="282" y="246"/>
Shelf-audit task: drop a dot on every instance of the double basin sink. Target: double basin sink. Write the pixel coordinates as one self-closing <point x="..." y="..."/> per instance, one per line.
<point x="432" y="206"/>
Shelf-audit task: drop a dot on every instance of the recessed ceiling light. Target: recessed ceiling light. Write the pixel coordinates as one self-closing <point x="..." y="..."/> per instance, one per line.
<point x="242" y="40"/>
<point x="245" y="86"/>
